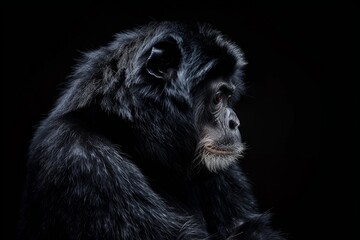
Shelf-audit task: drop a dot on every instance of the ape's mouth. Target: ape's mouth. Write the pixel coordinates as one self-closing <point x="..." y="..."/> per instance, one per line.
<point x="220" y="150"/>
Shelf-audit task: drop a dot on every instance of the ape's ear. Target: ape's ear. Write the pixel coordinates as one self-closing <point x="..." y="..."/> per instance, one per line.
<point x="164" y="59"/>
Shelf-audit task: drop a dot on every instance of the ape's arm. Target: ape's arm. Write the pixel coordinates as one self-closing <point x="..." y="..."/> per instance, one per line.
<point x="235" y="213"/>
<point x="83" y="188"/>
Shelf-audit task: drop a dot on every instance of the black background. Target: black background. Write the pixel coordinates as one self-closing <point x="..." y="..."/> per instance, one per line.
<point x="298" y="117"/>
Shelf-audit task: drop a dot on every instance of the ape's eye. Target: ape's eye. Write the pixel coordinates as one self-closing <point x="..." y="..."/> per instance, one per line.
<point x="229" y="100"/>
<point x="218" y="98"/>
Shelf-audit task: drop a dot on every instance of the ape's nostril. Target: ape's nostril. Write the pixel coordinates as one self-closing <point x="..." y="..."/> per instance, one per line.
<point x="233" y="124"/>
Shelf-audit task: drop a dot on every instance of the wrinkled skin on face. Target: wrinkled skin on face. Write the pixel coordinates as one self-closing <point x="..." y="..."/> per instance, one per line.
<point x="220" y="141"/>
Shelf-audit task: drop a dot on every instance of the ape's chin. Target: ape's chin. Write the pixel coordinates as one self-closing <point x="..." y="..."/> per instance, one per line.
<point x="215" y="162"/>
<point x="216" y="158"/>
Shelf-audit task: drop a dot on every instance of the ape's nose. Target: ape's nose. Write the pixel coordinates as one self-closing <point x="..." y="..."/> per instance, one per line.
<point x="233" y="125"/>
<point x="233" y="120"/>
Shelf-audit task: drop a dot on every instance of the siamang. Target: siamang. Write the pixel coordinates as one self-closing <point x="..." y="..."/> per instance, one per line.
<point x="143" y="144"/>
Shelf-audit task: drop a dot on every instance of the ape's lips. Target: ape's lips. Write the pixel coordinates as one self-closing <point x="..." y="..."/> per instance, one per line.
<point x="220" y="151"/>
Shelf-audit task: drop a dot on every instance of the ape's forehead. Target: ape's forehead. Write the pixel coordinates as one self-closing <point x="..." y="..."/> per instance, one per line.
<point x="201" y="37"/>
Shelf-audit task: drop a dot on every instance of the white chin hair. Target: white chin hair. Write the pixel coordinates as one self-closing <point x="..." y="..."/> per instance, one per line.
<point x="215" y="162"/>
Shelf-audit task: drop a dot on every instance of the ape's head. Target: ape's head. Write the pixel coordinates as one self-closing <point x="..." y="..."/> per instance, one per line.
<point x="174" y="85"/>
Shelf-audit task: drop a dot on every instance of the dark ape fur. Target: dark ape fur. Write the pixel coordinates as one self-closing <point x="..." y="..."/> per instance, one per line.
<point x="115" y="157"/>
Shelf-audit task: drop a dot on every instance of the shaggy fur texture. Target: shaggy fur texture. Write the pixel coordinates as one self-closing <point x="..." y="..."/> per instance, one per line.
<point x="114" y="159"/>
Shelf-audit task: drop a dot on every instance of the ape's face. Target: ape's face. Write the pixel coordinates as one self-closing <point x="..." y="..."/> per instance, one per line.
<point x="217" y="124"/>
<point x="190" y="98"/>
